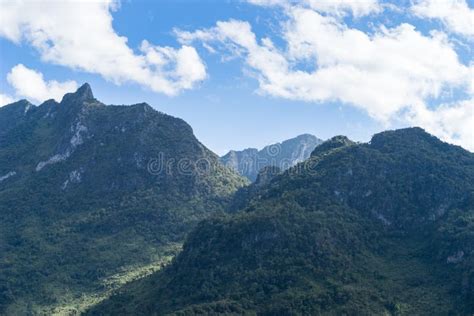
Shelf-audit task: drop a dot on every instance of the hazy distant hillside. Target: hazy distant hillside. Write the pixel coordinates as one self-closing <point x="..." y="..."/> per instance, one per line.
<point x="88" y="191"/>
<point x="385" y="228"/>
<point x="283" y="155"/>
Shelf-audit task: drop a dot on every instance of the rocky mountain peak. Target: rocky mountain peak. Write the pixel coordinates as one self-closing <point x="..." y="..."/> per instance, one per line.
<point x="286" y="154"/>
<point x="84" y="93"/>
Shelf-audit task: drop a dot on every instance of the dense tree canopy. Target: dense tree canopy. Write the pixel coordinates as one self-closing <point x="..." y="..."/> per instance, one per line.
<point x="379" y="228"/>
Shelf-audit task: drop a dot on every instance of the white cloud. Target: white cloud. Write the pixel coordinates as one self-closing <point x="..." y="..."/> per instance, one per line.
<point x="455" y="14"/>
<point x="452" y="122"/>
<point x="334" y="7"/>
<point x="79" y="34"/>
<point x="185" y="62"/>
<point x="382" y="73"/>
<point x="30" y="84"/>
<point x="388" y="73"/>
<point x="5" y="99"/>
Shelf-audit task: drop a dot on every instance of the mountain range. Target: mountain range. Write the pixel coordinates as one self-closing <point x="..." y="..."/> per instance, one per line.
<point x="120" y="210"/>
<point x="249" y="162"/>
<point x="383" y="228"/>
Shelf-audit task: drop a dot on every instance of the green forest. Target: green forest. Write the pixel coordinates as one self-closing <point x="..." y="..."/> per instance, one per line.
<point x="105" y="211"/>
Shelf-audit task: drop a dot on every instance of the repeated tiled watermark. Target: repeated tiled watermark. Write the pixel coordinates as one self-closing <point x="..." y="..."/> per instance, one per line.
<point x="164" y="165"/>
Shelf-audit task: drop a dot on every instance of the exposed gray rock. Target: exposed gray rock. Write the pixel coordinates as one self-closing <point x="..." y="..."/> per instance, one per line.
<point x="8" y="175"/>
<point x="78" y="131"/>
<point x="283" y="155"/>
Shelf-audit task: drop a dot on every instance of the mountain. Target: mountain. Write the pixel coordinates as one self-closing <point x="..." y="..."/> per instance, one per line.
<point x="245" y="194"/>
<point x="383" y="228"/>
<point x="283" y="155"/>
<point x="13" y="114"/>
<point x="93" y="195"/>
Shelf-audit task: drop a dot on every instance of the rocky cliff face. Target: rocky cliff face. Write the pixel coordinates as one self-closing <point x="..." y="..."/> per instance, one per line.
<point x="283" y="155"/>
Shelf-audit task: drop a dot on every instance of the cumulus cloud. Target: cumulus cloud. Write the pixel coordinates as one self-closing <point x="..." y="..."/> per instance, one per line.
<point x="389" y="73"/>
<point x="382" y="73"/>
<point x="334" y="7"/>
<point x="30" y="84"/>
<point x="454" y="14"/>
<point x="80" y="35"/>
<point x="452" y="122"/>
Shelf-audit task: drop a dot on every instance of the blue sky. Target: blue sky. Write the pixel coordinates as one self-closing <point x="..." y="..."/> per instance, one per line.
<point x="327" y="68"/>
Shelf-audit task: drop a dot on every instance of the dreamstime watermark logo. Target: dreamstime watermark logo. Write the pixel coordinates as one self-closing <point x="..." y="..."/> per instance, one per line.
<point x="161" y="165"/>
<point x="294" y="162"/>
<point x="249" y="164"/>
<point x="273" y="150"/>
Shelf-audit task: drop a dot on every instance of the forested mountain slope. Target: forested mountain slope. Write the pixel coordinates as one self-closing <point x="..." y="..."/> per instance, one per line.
<point x="384" y="228"/>
<point x="89" y="191"/>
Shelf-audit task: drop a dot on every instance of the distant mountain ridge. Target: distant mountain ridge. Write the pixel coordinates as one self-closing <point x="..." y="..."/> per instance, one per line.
<point x="89" y="190"/>
<point x="249" y="162"/>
